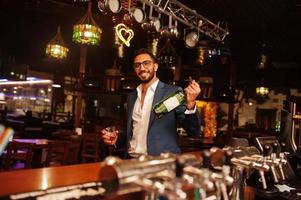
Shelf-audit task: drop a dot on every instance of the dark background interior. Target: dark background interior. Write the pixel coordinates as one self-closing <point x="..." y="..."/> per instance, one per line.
<point x="28" y="25"/>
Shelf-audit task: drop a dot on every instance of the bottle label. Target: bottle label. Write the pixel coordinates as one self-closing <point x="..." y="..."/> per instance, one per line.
<point x="168" y="104"/>
<point x="171" y="103"/>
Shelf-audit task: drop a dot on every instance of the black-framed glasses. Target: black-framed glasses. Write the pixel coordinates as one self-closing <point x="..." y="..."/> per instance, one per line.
<point x="146" y="63"/>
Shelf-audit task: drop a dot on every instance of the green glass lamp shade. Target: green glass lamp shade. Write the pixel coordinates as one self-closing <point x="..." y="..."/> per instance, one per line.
<point x="86" y="34"/>
<point x="56" y="51"/>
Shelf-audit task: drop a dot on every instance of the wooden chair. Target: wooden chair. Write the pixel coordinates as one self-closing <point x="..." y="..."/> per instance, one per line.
<point x="17" y="156"/>
<point x="91" y="148"/>
<point x="57" y="153"/>
<point x="73" y="150"/>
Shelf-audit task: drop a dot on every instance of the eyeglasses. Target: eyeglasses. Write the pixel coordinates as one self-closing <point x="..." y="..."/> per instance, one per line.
<point x="146" y="63"/>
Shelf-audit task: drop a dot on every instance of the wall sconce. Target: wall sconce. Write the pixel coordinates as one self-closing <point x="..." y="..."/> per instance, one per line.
<point x="191" y="39"/>
<point x="113" y="6"/>
<point x="262" y="90"/>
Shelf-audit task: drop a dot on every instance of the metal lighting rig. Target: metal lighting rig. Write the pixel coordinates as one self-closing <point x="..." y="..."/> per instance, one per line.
<point x="188" y="17"/>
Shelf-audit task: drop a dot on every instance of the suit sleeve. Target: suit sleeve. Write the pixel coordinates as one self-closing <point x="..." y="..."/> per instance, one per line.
<point x="190" y="122"/>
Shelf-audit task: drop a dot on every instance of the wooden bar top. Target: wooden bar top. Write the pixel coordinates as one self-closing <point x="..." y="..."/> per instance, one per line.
<point x="23" y="181"/>
<point x="44" y="178"/>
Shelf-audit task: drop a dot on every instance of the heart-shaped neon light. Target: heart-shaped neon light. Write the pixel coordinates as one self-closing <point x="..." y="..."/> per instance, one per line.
<point x="124" y="33"/>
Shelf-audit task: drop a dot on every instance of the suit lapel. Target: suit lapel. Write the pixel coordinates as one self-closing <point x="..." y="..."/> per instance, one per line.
<point x="159" y="94"/>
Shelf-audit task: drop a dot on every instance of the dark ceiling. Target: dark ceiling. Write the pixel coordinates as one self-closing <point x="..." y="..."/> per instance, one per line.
<point x="27" y="26"/>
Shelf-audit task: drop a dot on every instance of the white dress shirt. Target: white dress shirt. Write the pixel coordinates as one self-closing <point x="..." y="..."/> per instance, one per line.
<point x="141" y="115"/>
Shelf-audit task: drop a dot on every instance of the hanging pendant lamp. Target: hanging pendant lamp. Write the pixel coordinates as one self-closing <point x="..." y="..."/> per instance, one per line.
<point x="86" y="30"/>
<point x="56" y="47"/>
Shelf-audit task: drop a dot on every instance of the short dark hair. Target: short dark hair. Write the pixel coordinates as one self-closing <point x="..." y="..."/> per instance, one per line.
<point x="145" y="51"/>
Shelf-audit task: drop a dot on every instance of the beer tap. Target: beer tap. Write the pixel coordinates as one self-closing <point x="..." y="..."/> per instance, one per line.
<point x="203" y="180"/>
<point x="207" y="170"/>
<point x="200" y="179"/>
<point x="266" y="151"/>
<point x="275" y="149"/>
<point x="282" y="159"/>
<point x="224" y="179"/>
<point x="220" y="179"/>
<point x="273" y="162"/>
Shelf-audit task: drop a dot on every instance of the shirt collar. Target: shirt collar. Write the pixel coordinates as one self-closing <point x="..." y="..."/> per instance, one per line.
<point x="153" y="87"/>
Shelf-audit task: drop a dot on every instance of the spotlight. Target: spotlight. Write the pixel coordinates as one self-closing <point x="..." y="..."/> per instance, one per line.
<point x="137" y="14"/>
<point x="174" y="31"/>
<point x="191" y="39"/>
<point x="113" y="6"/>
<point x="151" y="25"/>
<point x="165" y="33"/>
<point x="170" y="32"/>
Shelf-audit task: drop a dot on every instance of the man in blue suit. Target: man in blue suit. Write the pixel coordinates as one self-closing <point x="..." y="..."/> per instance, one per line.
<point x="146" y="134"/>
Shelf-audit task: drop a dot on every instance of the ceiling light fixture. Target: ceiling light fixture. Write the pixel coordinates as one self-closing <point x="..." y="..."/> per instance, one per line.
<point x="56" y="47"/>
<point x="86" y="30"/>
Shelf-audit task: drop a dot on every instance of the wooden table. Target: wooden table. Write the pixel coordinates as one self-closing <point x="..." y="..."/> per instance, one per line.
<point x="44" y="178"/>
<point x="36" y="142"/>
<point x="40" y="148"/>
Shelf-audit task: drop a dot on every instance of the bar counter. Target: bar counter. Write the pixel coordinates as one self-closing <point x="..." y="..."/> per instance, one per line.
<point x="22" y="181"/>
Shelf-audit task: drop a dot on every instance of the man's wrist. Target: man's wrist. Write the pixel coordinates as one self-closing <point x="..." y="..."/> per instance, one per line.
<point x="190" y="106"/>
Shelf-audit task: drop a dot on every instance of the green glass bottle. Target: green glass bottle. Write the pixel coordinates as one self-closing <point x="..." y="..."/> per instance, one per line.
<point x="169" y="103"/>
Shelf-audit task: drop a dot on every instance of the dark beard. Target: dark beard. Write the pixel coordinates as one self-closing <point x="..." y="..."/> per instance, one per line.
<point x="149" y="79"/>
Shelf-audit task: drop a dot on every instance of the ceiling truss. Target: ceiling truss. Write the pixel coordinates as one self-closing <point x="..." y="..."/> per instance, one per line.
<point x="188" y="17"/>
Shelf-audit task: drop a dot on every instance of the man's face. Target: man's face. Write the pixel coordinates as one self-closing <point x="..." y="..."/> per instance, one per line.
<point x="145" y="67"/>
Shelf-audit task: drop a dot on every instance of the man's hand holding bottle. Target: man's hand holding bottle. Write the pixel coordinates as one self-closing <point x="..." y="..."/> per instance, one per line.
<point x="192" y="92"/>
<point x="110" y="135"/>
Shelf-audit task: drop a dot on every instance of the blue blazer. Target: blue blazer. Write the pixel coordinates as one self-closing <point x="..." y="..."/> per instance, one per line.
<point x="162" y="133"/>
